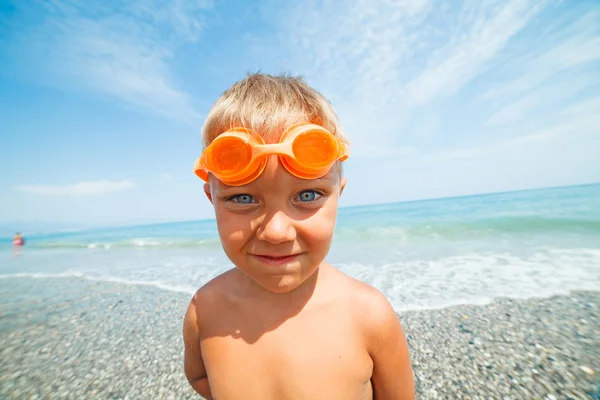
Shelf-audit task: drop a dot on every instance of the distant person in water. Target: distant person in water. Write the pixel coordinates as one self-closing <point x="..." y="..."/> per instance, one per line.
<point x="18" y="242"/>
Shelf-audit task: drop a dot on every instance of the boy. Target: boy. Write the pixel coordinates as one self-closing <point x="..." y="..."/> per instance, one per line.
<point x="284" y="324"/>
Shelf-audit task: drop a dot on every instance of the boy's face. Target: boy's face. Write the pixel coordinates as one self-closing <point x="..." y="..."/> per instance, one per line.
<point x="278" y="228"/>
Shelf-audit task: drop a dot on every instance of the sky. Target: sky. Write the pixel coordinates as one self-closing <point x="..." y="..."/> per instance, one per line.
<point x="102" y="103"/>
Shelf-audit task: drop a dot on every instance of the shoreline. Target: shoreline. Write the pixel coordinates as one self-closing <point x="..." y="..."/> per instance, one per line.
<point x="80" y="338"/>
<point x="180" y="290"/>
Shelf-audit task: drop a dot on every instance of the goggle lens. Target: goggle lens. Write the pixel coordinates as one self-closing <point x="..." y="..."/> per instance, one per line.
<point x="230" y="156"/>
<point x="314" y="149"/>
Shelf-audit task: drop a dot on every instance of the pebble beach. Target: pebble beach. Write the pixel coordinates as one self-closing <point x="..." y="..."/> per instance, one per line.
<point x="82" y="339"/>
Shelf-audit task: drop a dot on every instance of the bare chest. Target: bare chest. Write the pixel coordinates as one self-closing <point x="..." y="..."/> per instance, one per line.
<point x="294" y="361"/>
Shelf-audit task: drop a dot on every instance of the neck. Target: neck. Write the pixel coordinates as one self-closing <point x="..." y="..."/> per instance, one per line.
<point x="291" y="302"/>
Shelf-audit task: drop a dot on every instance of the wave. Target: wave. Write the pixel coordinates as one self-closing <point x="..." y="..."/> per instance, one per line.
<point x="537" y="223"/>
<point x="477" y="228"/>
<point x="394" y="227"/>
<point x="109" y="279"/>
<point x="480" y="277"/>
<point x="129" y="243"/>
<point x="424" y="283"/>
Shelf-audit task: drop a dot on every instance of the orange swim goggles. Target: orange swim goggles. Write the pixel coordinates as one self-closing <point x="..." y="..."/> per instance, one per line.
<point x="238" y="156"/>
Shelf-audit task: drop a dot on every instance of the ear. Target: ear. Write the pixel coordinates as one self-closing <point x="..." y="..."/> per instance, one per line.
<point x="207" y="192"/>
<point x="343" y="181"/>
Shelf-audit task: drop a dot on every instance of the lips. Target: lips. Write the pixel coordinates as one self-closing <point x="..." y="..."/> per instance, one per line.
<point x="277" y="260"/>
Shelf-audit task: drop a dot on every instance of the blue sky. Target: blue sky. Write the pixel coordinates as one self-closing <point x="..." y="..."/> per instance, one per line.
<point x="102" y="103"/>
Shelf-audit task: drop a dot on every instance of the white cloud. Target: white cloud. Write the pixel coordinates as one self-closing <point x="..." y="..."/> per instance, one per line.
<point x="544" y="80"/>
<point x="352" y="47"/>
<point x="467" y="54"/>
<point x="554" y="94"/>
<point x="78" y="189"/>
<point x="123" y="50"/>
<point x="390" y="51"/>
<point x="584" y="109"/>
<point x="576" y="44"/>
<point x="575" y="122"/>
<point x="513" y="111"/>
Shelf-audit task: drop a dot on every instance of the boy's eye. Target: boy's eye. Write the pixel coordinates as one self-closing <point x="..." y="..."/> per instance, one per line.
<point x="308" y="195"/>
<point x="242" y="199"/>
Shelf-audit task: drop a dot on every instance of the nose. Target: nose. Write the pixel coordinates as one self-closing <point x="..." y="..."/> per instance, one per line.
<point x="277" y="228"/>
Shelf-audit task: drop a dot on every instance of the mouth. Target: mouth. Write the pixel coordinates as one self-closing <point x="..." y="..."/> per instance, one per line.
<point x="277" y="260"/>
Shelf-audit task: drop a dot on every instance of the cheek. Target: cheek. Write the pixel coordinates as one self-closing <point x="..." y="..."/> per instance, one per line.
<point x="319" y="229"/>
<point x="231" y="239"/>
<point x="233" y="231"/>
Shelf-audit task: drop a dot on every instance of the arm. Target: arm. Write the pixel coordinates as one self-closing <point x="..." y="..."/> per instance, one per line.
<point x="195" y="371"/>
<point x="392" y="377"/>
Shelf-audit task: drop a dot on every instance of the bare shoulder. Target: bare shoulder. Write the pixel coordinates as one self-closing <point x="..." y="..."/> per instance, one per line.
<point x="210" y="295"/>
<point x="372" y="311"/>
<point x="374" y="306"/>
<point x="367" y="302"/>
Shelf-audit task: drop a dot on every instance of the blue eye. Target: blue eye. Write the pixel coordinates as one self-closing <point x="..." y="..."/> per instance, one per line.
<point x="308" y="195"/>
<point x="242" y="199"/>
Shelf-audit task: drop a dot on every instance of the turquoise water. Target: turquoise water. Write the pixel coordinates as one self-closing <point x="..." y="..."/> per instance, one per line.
<point x="422" y="254"/>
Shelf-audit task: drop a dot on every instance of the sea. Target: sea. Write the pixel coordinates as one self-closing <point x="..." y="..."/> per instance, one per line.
<point x="422" y="254"/>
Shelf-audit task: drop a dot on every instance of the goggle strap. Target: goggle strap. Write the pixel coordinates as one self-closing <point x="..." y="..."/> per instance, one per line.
<point x="344" y="152"/>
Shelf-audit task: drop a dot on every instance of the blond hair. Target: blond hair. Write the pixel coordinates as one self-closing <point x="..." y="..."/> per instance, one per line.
<point x="268" y="104"/>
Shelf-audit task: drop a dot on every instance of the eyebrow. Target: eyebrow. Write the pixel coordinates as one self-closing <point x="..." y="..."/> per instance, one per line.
<point x="324" y="179"/>
<point x="328" y="178"/>
<point x="226" y="187"/>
